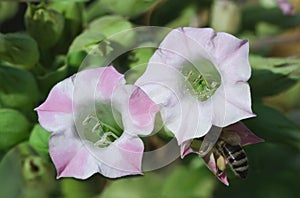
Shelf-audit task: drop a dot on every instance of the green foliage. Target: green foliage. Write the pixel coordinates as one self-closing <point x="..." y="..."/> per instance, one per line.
<point x="273" y="126"/>
<point x="46" y="78"/>
<point x="39" y="139"/>
<point x="83" y="44"/>
<point x="19" y="49"/>
<point x="18" y="89"/>
<point x="73" y="25"/>
<point x="129" y="8"/>
<point x="7" y="10"/>
<point x="273" y="75"/>
<point x="274" y="172"/>
<point x="45" y="25"/>
<point x="181" y="182"/>
<point x="29" y="176"/>
<point x="14" y="128"/>
<point x="112" y="28"/>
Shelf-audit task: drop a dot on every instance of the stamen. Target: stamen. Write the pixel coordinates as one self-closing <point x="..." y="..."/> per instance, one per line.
<point x="201" y="88"/>
<point x="96" y="127"/>
<point x="103" y="134"/>
<point x="88" y="119"/>
<point x="104" y="139"/>
<point x="189" y="75"/>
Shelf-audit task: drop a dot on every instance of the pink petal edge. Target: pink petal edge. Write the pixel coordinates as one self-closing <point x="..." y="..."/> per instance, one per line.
<point x="246" y="136"/>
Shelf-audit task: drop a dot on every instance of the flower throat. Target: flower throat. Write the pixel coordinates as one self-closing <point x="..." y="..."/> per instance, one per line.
<point x="105" y="134"/>
<point x="202" y="82"/>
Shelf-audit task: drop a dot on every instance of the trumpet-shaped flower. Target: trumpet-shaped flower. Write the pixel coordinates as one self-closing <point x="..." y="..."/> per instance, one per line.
<point x="199" y="78"/>
<point x="237" y="133"/>
<point x="95" y="120"/>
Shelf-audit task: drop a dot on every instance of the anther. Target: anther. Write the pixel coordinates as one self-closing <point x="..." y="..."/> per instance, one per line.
<point x="189" y="75"/>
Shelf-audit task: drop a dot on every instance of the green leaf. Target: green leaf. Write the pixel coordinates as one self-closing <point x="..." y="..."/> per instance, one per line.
<point x="18" y="89"/>
<point x="271" y="76"/>
<point x="86" y="41"/>
<point x="114" y="29"/>
<point x="8" y="10"/>
<point x="178" y="181"/>
<point x="48" y="78"/>
<point x="128" y="8"/>
<point x="147" y="186"/>
<point x="189" y="182"/>
<point x="252" y="14"/>
<point x="39" y="139"/>
<point x="188" y="17"/>
<point x="138" y="59"/>
<point x="73" y="14"/>
<point x="94" y="10"/>
<point x="14" y="128"/>
<point x="273" y="126"/>
<point x="73" y="188"/>
<point x="84" y="44"/>
<point x="19" y="49"/>
<point x="45" y="25"/>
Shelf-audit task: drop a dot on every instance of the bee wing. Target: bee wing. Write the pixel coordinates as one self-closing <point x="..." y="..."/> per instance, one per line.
<point x="210" y="140"/>
<point x="231" y="138"/>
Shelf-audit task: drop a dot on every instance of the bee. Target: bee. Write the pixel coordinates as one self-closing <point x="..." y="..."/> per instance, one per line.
<point x="228" y="148"/>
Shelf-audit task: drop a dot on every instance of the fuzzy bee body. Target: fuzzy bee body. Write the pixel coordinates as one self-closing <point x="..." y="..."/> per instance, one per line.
<point x="235" y="156"/>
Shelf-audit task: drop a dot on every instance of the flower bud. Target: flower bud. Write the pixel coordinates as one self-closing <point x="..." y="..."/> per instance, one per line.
<point x="72" y="12"/>
<point x="18" y="89"/>
<point x="14" y="128"/>
<point x="44" y="25"/>
<point x="19" y="49"/>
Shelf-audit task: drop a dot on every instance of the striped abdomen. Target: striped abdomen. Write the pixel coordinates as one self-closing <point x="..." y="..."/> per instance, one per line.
<point x="236" y="158"/>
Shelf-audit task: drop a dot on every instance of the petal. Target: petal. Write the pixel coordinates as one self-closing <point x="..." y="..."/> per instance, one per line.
<point x="182" y="113"/>
<point x="122" y="157"/>
<point x="70" y="156"/>
<point x="228" y="53"/>
<point x="231" y="55"/>
<point x="185" y="148"/>
<point x="189" y="119"/>
<point x="137" y="109"/>
<point x="187" y="43"/>
<point x="231" y="103"/>
<point x="96" y="84"/>
<point x="246" y="136"/>
<point x="80" y="159"/>
<point x="210" y="162"/>
<point x="56" y="112"/>
<point x="142" y="109"/>
<point x="163" y="77"/>
<point x="110" y="79"/>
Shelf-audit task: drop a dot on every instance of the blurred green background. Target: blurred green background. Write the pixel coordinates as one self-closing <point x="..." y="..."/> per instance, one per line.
<point x="42" y="43"/>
